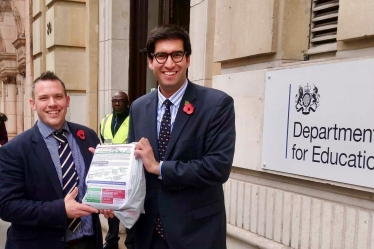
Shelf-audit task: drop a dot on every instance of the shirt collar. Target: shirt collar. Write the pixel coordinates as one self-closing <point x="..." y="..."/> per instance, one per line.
<point x="46" y="131"/>
<point x="176" y="98"/>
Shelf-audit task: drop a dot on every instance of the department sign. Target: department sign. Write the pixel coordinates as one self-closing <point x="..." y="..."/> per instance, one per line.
<point x="319" y="121"/>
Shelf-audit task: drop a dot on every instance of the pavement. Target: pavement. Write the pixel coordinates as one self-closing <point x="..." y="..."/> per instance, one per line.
<point x="4" y="226"/>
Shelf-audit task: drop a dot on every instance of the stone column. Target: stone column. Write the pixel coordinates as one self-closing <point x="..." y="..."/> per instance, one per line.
<point x="1" y="97"/>
<point x="114" y="31"/>
<point x="19" y="91"/>
<point x="202" y="23"/>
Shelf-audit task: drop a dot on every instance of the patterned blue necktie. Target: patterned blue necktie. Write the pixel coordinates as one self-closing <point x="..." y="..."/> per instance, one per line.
<point x="69" y="173"/>
<point x="165" y="130"/>
<point x="163" y="140"/>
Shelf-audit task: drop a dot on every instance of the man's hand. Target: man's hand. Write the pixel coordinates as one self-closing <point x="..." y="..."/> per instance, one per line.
<point x="92" y="150"/>
<point x="107" y="213"/>
<point x="75" y="209"/>
<point x="144" y="150"/>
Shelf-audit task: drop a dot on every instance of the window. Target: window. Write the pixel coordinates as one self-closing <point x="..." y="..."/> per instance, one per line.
<point x="324" y="24"/>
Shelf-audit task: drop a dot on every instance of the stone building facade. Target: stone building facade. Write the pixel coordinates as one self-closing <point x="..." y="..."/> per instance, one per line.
<point x="90" y="45"/>
<point x="14" y="63"/>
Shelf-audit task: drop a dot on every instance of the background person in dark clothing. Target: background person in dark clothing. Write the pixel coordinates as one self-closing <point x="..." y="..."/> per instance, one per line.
<point x="3" y="132"/>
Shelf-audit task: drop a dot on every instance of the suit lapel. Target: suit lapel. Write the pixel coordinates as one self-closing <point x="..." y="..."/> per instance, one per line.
<point x="82" y="146"/>
<point x="151" y="121"/>
<point x="46" y="161"/>
<point x="181" y="119"/>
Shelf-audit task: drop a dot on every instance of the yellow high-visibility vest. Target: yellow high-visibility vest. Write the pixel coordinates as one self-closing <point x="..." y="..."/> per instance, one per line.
<point x="106" y="130"/>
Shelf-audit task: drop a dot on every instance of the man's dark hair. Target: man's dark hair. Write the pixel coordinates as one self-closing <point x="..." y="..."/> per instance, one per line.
<point x="168" y="32"/>
<point x="48" y="75"/>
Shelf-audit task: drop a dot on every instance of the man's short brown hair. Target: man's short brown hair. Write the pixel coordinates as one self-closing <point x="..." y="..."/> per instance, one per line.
<point x="48" y="75"/>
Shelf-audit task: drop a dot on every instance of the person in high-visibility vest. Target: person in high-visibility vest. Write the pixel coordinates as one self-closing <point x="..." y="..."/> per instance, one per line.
<point x="114" y="128"/>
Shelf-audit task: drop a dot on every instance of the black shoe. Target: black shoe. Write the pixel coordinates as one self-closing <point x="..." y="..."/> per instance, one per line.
<point x="110" y="246"/>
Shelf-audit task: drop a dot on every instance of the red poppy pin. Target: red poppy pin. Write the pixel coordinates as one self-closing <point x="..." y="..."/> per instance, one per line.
<point x="188" y="107"/>
<point x="80" y="134"/>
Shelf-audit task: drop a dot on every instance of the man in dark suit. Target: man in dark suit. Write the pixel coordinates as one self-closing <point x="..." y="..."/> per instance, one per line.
<point x="184" y="204"/>
<point x="39" y="195"/>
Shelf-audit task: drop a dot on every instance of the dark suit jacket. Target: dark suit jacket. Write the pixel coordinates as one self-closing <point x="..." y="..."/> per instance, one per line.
<point x="31" y="196"/>
<point x="189" y="198"/>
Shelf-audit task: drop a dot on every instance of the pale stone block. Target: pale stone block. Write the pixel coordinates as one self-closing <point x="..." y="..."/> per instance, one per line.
<point x="101" y="66"/>
<point x="337" y="233"/>
<point x="11" y="97"/>
<point x="295" y="221"/>
<point x="108" y="64"/>
<point x="26" y="18"/>
<point x="103" y="102"/>
<point x="350" y="227"/>
<point x="196" y="2"/>
<point x="305" y="222"/>
<point x="326" y="225"/>
<point x="244" y="28"/>
<point x="287" y="209"/>
<point x="226" y="189"/>
<point x="77" y="102"/>
<point x="315" y="232"/>
<point x="107" y="16"/>
<point x="363" y="229"/>
<point x="119" y="65"/>
<point x="91" y="114"/>
<point x="206" y="83"/>
<point x="21" y="6"/>
<point x="372" y="231"/>
<point x="269" y="213"/>
<point x="233" y="202"/>
<point x="240" y="204"/>
<point x="247" y="206"/>
<point x="28" y="51"/>
<point x="261" y="211"/>
<point x="10" y="104"/>
<point x="278" y="213"/>
<point x="355" y="26"/>
<point x="254" y="208"/>
<point x="248" y="90"/>
<point x="69" y="66"/>
<point x="120" y="19"/>
<point x="294" y="29"/>
<point x="198" y="37"/>
<point x="68" y="22"/>
<point x="8" y="20"/>
<point x="102" y="19"/>
<point x="238" y="244"/>
<point x="36" y="7"/>
<point x="38" y="62"/>
<point x="47" y="2"/>
<point x="36" y="36"/>
<point x="9" y="32"/>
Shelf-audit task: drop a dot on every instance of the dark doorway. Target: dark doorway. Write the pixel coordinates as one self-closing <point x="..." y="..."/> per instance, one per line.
<point x="144" y="16"/>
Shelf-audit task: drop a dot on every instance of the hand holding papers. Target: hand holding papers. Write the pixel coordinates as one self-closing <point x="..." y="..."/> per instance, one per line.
<point x="116" y="181"/>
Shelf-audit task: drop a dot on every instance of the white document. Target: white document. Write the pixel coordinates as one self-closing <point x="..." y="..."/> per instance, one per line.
<point x="108" y="179"/>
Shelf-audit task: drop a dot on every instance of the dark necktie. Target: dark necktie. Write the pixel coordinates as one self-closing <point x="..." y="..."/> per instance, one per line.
<point x="163" y="140"/>
<point x="69" y="173"/>
<point x="165" y="130"/>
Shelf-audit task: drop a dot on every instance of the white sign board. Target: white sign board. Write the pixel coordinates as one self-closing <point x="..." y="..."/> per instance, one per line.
<point x="319" y="121"/>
